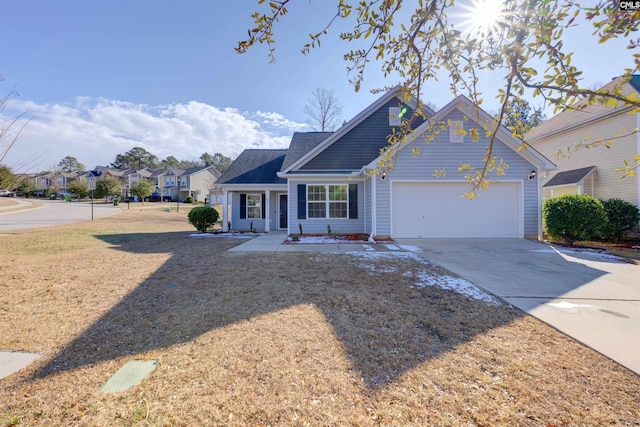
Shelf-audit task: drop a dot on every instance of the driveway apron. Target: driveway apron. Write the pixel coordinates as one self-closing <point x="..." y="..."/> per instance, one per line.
<point x="592" y="297"/>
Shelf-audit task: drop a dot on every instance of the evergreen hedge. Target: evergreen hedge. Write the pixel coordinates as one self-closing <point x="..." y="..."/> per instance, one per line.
<point x="203" y="217"/>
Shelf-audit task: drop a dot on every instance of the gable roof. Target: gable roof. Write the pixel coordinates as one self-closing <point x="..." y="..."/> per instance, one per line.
<point x="465" y="105"/>
<point x="570" y="177"/>
<point x="111" y="171"/>
<point x="301" y="144"/>
<point x="173" y="171"/>
<point x="583" y="112"/>
<point x="255" y="166"/>
<point x="191" y="171"/>
<point x="396" y="92"/>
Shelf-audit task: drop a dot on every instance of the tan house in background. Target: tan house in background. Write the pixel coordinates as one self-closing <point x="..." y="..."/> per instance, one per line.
<point x="565" y="139"/>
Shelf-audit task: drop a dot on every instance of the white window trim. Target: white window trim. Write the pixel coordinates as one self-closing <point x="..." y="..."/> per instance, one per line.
<point x="327" y="201"/>
<point x="259" y="206"/>
<point x="455" y="136"/>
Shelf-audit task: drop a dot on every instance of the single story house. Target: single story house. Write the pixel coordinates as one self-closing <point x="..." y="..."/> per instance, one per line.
<point x="333" y="179"/>
<point x="576" y="140"/>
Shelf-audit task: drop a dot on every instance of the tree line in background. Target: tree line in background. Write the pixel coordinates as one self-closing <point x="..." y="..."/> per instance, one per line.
<point x="140" y="158"/>
<point x="136" y="158"/>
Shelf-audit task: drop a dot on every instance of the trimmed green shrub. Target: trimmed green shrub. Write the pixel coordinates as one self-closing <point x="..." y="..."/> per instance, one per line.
<point x="574" y="217"/>
<point x="622" y="217"/>
<point x="203" y="217"/>
<point x="188" y="199"/>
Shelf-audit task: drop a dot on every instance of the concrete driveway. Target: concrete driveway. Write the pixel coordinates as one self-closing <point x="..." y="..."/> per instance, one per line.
<point x="594" y="298"/>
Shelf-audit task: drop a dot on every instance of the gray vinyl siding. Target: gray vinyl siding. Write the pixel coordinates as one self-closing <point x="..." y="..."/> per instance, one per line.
<point x="441" y="154"/>
<point x="319" y="225"/>
<point x="359" y="146"/>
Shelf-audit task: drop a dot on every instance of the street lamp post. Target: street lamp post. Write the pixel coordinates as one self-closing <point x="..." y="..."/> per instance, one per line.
<point x="178" y="198"/>
<point x="92" y="185"/>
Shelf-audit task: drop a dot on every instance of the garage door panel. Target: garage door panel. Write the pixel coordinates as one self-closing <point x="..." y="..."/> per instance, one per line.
<point x="438" y="210"/>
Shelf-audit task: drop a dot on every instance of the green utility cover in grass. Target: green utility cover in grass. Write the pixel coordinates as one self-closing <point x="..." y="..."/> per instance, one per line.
<point x="132" y="373"/>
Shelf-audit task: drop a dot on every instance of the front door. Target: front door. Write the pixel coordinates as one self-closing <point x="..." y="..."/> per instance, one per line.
<point x="282" y="203"/>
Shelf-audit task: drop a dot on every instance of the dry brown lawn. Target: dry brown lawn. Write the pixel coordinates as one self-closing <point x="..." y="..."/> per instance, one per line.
<point x="274" y="339"/>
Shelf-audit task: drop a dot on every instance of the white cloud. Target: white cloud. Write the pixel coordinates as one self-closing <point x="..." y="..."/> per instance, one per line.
<point x="95" y="131"/>
<point x="278" y="120"/>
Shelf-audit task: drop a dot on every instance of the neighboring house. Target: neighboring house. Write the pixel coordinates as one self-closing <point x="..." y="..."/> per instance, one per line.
<point x="197" y="182"/>
<point x="131" y="176"/>
<point x="326" y="179"/>
<point x="176" y="183"/>
<point x="168" y="182"/>
<point x="42" y="181"/>
<point x="109" y="172"/>
<point x="591" y="170"/>
<point x="55" y="182"/>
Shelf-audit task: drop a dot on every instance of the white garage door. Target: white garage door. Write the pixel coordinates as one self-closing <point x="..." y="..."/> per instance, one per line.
<point x="438" y="210"/>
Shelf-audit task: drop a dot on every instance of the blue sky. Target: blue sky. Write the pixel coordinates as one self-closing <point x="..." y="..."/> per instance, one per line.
<point x="102" y="77"/>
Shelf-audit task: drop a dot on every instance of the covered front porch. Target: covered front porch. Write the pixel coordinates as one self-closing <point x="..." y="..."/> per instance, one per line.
<point x="256" y="208"/>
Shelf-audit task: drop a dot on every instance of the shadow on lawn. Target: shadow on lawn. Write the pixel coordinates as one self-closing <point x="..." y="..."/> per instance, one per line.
<point x="386" y="326"/>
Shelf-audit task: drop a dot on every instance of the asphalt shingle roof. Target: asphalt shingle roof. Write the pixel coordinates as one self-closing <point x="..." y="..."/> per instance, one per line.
<point x="569" y="177"/>
<point x="198" y="169"/>
<point x="301" y="144"/>
<point x="255" y="166"/>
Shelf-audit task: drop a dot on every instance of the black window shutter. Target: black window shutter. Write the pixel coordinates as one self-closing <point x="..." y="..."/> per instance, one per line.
<point x="353" y="201"/>
<point x="302" y="201"/>
<point x="243" y="206"/>
<point x="264" y="207"/>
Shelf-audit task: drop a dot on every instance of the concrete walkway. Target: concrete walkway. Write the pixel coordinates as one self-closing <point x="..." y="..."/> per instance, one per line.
<point x="274" y="242"/>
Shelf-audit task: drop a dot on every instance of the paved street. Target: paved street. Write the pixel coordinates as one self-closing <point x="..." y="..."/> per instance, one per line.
<point x="54" y="212"/>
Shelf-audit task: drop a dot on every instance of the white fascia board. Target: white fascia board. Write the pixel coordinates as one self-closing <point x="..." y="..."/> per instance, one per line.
<point x="536" y="138"/>
<point x="395" y="92"/>
<point x="252" y="187"/>
<point x="419" y="130"/>
<point x="325" y="177"/>
<point x="344" y="129"/>
<point x="461" y="103"/>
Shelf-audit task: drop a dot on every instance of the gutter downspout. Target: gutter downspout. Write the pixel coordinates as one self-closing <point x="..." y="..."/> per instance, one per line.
<point x="374" y="207"/>
<point x="539" y="189"/>
<point x="225" y="213"/>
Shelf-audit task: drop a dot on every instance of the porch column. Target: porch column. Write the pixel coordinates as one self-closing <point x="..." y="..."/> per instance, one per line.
<point x="267" y="198"/>
<point x="225" y="214"/>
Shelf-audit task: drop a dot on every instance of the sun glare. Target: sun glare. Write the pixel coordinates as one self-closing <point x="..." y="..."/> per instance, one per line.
<point x="482" y="16"/>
